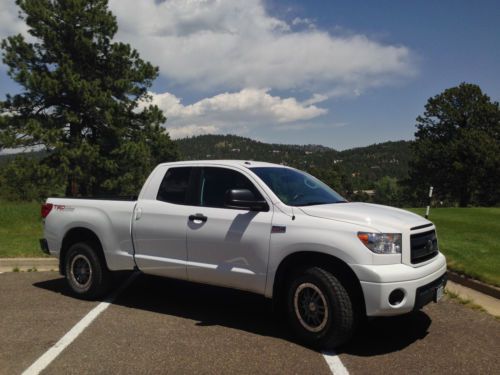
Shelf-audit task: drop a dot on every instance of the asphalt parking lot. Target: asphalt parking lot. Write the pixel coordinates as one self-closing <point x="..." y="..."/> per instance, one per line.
<point x="164" y="326"/>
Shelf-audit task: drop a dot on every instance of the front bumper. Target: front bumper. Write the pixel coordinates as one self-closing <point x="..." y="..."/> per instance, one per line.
<point x="427" y="293"/>
<point x="419" y="285"/>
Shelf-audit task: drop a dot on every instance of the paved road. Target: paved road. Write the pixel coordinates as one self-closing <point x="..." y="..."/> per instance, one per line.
<point x="164" y="326"/>
<point x="32" y="318"/>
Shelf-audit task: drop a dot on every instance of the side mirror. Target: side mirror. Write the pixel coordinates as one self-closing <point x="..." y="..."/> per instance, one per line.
<point x="244" y="199"/>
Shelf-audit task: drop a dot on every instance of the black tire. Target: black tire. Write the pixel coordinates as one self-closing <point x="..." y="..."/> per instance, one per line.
<point x="319" y="309"/>
<point x="86" y="274"/>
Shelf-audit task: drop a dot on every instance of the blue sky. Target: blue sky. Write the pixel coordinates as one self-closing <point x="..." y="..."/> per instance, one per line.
<point x="454" y="41"/>
<point x="337" y="73"/>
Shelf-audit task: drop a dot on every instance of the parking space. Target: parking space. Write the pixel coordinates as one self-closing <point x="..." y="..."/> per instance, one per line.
<point x="164" y="325"/>
<point x="444" y="338"/>
<point x="167" y="326"/>
<point x="35" y="313"/>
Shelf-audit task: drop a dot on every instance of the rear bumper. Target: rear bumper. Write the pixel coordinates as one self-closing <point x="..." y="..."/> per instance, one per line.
<point x="44" y="246"/>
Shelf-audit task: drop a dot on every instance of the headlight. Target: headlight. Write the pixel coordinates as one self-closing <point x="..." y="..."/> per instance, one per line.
<point x="381" y="243"/>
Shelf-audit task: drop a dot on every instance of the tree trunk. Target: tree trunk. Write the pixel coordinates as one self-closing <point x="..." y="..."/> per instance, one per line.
<point x="465" y="196"/>
<point x="71" y="187"/>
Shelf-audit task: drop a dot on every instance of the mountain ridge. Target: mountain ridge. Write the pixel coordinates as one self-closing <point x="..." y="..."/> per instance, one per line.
<point x="364" y="165"/>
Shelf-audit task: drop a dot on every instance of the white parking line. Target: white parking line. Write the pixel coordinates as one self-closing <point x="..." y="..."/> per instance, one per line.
<point x="335" y="364"/>
<point x="41" y="363"/>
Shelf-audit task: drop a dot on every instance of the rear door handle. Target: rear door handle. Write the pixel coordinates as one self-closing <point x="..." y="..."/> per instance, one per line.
<point x="198" y="217"/>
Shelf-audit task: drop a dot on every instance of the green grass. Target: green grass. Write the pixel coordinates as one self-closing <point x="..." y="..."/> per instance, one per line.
<point x="468" y="238"/>
<point x="20" y="229"/>
<point x="464" y="301"/>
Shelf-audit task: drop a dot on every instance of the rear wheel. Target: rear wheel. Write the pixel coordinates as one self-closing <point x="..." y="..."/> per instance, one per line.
<point x="86" y="273"/>
<point x="319" y="308"/>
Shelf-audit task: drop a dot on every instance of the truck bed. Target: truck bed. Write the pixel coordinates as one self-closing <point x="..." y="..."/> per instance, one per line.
<point x="110" y="219"/>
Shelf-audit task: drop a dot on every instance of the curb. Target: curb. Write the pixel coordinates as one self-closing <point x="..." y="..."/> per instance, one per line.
<point x="490" y="304"/>
<point x="474" y="284"/>
<point x="24" y="264"/>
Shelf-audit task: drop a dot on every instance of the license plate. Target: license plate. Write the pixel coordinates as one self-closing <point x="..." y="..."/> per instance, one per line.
<point x="439" y="293"/>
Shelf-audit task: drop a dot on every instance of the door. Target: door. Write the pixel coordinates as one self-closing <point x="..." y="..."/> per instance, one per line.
<point x="228" y="247"/>
<point x="159" y="225"/>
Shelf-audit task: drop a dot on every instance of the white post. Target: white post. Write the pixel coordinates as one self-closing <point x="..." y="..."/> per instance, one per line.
<point x="429" y="204"/>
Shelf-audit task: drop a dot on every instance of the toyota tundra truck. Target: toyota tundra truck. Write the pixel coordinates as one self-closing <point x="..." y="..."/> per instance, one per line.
<point x="258" y="227"/>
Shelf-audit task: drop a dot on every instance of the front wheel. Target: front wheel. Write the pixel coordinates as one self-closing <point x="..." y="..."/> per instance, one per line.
<point x="86" y="274"/>
<point x="319" y="308"/>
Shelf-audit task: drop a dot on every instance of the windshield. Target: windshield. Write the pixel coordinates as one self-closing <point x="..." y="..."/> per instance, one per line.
<point x="296" y="188"/>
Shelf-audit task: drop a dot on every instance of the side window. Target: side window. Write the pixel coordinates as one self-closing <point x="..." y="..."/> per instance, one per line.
<point x="174" y="187"/>
<point x="216" y="181"/>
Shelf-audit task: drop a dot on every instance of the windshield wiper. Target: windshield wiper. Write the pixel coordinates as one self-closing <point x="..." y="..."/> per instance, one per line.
<point x="318" y="203"/>
<point x="312" y="203"/>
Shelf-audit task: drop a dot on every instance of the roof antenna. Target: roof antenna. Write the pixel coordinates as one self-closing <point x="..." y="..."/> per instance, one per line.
<point x="293" y="214"/>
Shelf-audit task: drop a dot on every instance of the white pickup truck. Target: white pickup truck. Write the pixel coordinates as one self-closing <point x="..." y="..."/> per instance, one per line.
<point x="258" y="227"/>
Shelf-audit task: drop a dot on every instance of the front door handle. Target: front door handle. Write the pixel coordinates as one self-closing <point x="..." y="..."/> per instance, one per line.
<point x="198" y="217"/>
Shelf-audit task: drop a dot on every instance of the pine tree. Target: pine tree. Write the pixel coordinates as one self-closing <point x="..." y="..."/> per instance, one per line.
<point x="83" y="98"/>
<point x="456" y="147"/>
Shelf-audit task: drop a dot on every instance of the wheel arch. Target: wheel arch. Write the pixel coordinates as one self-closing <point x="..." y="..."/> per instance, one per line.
<point x="80" y="234"/>
<point x="296" y="261"/>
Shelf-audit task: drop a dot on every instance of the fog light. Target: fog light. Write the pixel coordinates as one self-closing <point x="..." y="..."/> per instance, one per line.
<point x="396" y="297"/>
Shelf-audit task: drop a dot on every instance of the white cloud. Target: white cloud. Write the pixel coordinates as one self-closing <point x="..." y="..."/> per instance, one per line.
<point x="307" y="22"/>
<point x="190" y="130"/>
<point x="235" y="112"/>
<point x="230" y="44"/>
<point x="315" y="99"/>
<point x="216" y="45"/>
<point x="236" y="47"/>
<point x="10" y="24"/>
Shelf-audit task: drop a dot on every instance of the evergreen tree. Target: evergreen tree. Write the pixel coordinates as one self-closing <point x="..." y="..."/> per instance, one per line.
<point x="83" y="98"/>
<point x="24" y="178"/>
<point x="457" y="147"/>
<point x="387" y="191"/>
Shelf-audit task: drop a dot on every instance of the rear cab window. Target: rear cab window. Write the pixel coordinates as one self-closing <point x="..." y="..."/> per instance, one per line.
<point x="177" y="186"/>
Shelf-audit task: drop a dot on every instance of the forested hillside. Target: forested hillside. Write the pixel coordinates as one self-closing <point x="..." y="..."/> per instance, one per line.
<point x="371" y="163"/>
<point x="349" y="170"/>
<point x="363" y="166"/>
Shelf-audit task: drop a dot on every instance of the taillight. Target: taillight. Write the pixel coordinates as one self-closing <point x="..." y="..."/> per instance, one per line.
<point x="46" y="208"/>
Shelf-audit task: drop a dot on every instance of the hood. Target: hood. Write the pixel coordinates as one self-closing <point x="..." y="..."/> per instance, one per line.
<point x="382" y="218"/>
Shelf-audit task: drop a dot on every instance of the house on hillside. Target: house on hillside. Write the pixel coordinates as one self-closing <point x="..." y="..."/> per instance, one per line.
<point x="370" y="193"/>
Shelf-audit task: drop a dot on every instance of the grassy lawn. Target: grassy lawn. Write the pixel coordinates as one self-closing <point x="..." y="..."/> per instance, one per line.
<point x="20" y="229"/>
<point x="467" y="238"/>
